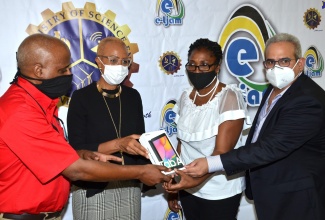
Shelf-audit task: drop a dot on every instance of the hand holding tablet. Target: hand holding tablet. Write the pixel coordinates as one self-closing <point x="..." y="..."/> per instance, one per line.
<point x="161" y="150"/>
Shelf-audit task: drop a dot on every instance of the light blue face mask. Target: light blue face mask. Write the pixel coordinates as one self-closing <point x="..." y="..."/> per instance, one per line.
<point x="114" y="74"/>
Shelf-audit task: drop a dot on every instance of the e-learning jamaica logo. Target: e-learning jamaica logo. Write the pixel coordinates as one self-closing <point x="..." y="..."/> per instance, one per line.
<point x="167" y="119"/>
<point x="243" y="41"/>
<point x="170" y="62"/>
<point x="314" y="62"/>
<point x="82" y="29"/>
<point x="172" y="11"/>
<point x="170" y="215"/>
<point x="312" y="18"/>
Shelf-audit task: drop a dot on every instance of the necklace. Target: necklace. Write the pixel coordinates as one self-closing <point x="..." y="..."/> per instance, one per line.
<point x="198" y="94"/>
<point x="118" y="133"/>
<point x="109" y="95"/>
<point x="212" y="90"/>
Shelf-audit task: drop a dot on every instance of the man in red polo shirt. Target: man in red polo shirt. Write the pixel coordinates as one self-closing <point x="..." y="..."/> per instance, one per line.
<point x="36" y="162"/>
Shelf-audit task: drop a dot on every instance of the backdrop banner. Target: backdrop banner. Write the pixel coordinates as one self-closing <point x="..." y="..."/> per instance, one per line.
<point x="158" y="35"/>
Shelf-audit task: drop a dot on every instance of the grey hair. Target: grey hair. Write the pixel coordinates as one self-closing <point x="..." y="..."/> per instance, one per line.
<point x="284" y="37"/>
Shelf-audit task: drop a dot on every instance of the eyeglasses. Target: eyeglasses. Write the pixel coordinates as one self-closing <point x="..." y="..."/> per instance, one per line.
<point x="283" y="62"/>
<point x="113" y="60"/>
<point x="202" y="67"/>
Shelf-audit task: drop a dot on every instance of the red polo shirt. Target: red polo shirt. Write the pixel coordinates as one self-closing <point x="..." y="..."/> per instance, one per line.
<point x="32" y="152"/>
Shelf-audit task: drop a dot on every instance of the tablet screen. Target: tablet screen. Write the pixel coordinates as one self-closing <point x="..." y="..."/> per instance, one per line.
<point x="165" y="152"/>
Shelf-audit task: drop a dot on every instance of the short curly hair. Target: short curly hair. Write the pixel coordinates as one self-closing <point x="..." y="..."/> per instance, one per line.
<point x="212" y="46"/>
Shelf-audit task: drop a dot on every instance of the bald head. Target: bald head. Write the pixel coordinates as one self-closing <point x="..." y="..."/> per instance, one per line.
<point x="38" y="49"/>
<point x="106" y="42"/>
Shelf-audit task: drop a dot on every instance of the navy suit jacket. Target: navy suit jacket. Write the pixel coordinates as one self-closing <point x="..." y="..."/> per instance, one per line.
<point x="287" y="162"/>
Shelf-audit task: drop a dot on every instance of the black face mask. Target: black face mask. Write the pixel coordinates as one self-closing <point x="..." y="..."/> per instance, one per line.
<point x="201" y="80"/>
<point x="55" y="87"/>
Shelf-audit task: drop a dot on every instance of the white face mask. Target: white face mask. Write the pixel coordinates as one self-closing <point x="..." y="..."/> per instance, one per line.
<point x="279" y="76"/>
<point x="114" y="74"/>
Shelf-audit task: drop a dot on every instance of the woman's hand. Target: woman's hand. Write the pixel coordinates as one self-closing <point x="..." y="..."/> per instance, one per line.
<point x="186" y="182"/>
<point x="130" y="145"/>
<point x="92" y="155"/>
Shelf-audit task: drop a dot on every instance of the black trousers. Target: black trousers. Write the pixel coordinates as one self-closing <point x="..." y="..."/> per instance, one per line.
<point x="196" y="208"/>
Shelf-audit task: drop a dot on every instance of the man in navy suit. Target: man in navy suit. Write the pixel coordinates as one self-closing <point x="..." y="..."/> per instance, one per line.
<point x="284" y="156"/>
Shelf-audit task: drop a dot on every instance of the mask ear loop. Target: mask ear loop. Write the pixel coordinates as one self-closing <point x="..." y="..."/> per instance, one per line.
<point x="100" y="69"/>
<point x="295" y="63"/>
<point x="294" y="67"/>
